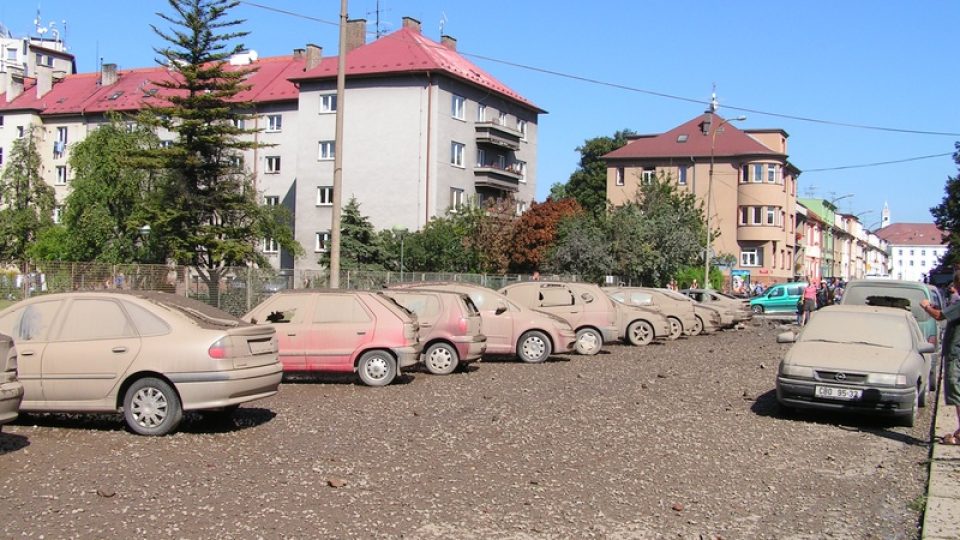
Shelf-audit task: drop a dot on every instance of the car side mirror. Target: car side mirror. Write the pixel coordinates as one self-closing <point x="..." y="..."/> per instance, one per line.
<point x="926" y="348"/>
<point x="501" y="308"/>
<point x="786" y="337"/>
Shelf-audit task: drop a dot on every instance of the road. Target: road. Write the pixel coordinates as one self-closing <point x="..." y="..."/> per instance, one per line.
<point x="674" y="440"/>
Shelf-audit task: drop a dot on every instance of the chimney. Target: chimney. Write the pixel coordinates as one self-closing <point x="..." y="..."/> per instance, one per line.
<point x="108" y="74"/>
<point x="356" y="34"/>
<point x="314" y="55"/>
<point x="297" y="54"/>
<point x="44" y="82"/>
<point x="449" y="42"/>
<point x="14" y="86"/>
<point x="411" y="23"/>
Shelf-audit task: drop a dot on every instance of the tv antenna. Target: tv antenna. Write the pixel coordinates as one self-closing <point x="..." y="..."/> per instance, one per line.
<point x="380" y="25"/>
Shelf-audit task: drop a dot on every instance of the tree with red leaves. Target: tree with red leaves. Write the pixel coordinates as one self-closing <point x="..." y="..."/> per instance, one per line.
<point x="535" y="232"/>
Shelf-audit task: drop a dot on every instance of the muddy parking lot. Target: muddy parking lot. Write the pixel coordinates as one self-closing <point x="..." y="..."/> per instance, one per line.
<point x="675" y="440"/>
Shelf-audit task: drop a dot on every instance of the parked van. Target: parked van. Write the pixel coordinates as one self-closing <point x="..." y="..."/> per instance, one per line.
<point x="906" y="294"/>
<point x="782" y="297"/>
<point x="588" y="310"/>
<point x="342" y="331"/>
<point x="510" y="328"/>
<point x="449" y="327"/>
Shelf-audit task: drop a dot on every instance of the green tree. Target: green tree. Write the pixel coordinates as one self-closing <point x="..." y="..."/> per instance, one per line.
<point x="443" y="245"/>
<point x="582" y="248"/>
<point x="588" y="184"/>
<point x="947" y="216"/>
<point x="205" y="212"/>
<point x="27" y="200"/>
<point x="103" y="211"/>
<point x="360" y="245"/>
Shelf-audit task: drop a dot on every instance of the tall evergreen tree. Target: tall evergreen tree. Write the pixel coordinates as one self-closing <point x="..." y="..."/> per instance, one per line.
<point x="205" y="211"/>
<point x="27" y="200"/>
<point x="947" y="216"/>
<point x="588" y="184"/>
<point x="360" y="245"/>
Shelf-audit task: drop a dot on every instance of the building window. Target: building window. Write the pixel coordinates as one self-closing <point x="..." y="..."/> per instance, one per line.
<point x="771" y="216"/>
<point x="271" y="200"/>
<point x="757" y="173"/>
<point x="911" y="253"/>
<point x="521" y="207"/>
<point x="270" y="245"/>
<point x="901" y="253"/>
<point x="456" y="154"/>
<point x="648" y="175"/>
<point x="328" y="103"/>
<point x="19" y="132"/>
<point x="744" y="211"/>
<point x="911" y="262"/>
<point x="322" y="241"/>
<point x="456" y="199"/>
<point x="328" y="150"/>
<point x="1" y="120"/>
<point x="619" y="176"/>
<point x="274" y="122"/>
<point x="325" y="196"/>
<point x="502" y="119"/>
<point x="12" y="53"/>
<point x="57" y="214"/>
<point x="501" y="161"/>
<point x="481" y="112"/>
<point x="239" y="123"/>
<point x="757" y="215"/>
<point x="923" y="253"/>
<point x="457" y="106"/>
<point x="167" y="143"/>
<point x="751" y="257"/>
<point x="481" y="157"/>
<point x="1" y="156"/>
<point x="682" y="176"/>
<point x="522" y="128"/>
<point x="61" y="175"/>
<point x="273" y="165"/>
<point x="521" y="168"/>
<point x="773" y="173"/>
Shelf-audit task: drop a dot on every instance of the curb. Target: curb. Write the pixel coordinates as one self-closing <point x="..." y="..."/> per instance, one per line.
<point x="942" y="512"/>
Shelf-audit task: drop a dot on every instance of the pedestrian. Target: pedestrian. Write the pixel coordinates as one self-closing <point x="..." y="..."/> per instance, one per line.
<point x="951" y="355"/>
<point x="694" y="285"/>
<point x="809" y="301"/>
<point x="952" y="295"/>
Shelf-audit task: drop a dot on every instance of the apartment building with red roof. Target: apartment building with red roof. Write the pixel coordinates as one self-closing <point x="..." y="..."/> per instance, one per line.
<point x="753" y="193"/>
<point x="425" y="130"/>
<point x="915" y="249"/>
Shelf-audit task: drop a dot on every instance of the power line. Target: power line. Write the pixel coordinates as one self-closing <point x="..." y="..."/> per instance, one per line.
<point x="290" y="13"/>
<point x="876" y="163"/>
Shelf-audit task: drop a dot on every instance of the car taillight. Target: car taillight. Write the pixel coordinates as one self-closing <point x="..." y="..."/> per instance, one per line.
<point x="219" y="349"/>
<point x="463" y="326"/>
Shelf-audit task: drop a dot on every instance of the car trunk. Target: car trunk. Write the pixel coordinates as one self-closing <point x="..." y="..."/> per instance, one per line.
<point x="252" y="346"/>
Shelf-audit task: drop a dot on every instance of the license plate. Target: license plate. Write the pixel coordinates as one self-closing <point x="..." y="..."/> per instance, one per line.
<point x="261" y="347"/>
<point x="833" y="392"/>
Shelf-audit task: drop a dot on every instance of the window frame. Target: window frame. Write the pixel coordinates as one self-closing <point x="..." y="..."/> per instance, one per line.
<point x="274" y="123"/>
<point x="458" y="107"/>
<point x="63" y="177"/>
<point x="327" y="150"/>
<point x="457" y="151"/>
<point x="754" y="254"/>
<point x="271" y="165"/>
<point x="324" y="196"/>
<point x="457" y="198"/>
<point x="321" y="242"/>
<point x="328" y="103"/>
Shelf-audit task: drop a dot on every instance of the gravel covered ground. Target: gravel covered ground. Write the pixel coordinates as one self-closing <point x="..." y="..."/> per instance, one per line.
<point x="674" y="440"/>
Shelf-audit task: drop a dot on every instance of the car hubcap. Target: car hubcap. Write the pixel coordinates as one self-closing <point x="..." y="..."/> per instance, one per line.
<point x="376" y="368"/>
<point x="588" y="342"/>
<point x="533" y="348"/>
<point x="440" y="359"/>
<point x="641" y="333"/>
<point x="149" y="407"/>
<point x="675" y="328"/>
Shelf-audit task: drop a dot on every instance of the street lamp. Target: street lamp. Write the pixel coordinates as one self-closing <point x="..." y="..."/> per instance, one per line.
<point x="713" y="145"/>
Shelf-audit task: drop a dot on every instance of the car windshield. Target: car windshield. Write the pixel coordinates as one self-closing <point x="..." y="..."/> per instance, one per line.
<point x="875" y="294"/>
<point x="886" y="330"/>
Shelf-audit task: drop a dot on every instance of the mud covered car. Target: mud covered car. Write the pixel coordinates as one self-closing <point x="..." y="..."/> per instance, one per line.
<point x="149" y="355"/>
<point x="11" y="391"/>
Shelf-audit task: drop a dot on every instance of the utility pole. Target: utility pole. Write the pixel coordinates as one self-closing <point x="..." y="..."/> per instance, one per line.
<point x="338" y="153"/>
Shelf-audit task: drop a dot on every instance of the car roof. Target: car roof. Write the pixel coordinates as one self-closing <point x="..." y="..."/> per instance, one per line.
<point x="902" y="283"/>
<point x="864" y="309"/>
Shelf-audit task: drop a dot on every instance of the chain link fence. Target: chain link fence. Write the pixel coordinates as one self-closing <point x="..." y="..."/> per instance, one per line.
<point x="238" y="291"/>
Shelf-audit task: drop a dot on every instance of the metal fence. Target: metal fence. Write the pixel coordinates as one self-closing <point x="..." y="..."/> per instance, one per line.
<point x="240" y="289"/>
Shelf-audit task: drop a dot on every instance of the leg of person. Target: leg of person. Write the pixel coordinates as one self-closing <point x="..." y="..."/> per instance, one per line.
<point x="951" y="394"/>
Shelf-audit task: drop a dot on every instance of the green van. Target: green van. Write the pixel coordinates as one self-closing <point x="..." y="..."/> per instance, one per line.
<point x="906" y="294"/>
<point x="782" y="298"/>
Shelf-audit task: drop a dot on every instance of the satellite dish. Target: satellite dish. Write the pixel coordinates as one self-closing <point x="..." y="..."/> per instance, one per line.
<point x="253" y="55"/>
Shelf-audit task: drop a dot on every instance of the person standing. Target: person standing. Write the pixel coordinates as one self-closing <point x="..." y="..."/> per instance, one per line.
<point x="950" y="354"/>
<point x="809" y="301"/>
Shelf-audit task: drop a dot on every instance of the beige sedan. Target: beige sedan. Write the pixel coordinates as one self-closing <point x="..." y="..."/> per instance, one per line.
<point x="856" y="358"/>
<point x="150" y="355"/>
<point x="11" y="391"/>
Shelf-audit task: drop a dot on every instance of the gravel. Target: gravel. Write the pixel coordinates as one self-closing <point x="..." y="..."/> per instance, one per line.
<point x="673" y="440"/>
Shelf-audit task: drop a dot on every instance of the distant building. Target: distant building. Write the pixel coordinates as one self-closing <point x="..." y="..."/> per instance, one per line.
<point x="754" y="187"/>
<point x="425" y="130"/>
<point x="23" y="57"/>
<point x="915" y="249"/>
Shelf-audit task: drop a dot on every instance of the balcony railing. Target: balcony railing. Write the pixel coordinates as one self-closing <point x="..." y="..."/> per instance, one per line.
<point x="497" y="135"/>
<point x="496" y="177"/>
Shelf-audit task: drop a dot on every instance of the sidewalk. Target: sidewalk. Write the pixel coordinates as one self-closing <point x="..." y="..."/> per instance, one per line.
<point x="941" y="518"/>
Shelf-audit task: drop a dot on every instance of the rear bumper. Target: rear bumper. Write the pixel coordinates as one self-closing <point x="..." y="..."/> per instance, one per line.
<point x="470" y="348"/>
<point x="407" y="356"/>
<point x="11" y="394"/>
<point x="215" y="389"/>
<point x="564" y="342"/>
<point x="875" y="400"/>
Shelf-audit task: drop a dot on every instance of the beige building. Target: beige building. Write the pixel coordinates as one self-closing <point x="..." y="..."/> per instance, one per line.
<point x="753" y="192"/>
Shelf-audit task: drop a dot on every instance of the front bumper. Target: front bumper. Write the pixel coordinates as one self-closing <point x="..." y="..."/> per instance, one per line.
<point x="878" y="400"/>
<point x="11" y="394"/>
<point x="610" y="334"/>
<point x="407" y="356"/>
<point x="470" y="348"/>
<point x="216" y="389"/>
<point x="565" y="341"/>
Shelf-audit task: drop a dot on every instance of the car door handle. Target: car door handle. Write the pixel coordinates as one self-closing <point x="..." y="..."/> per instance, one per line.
<point x="292" y="335"/>
<point x="361" y="333"/>
<point x="119" y="349"/>
<point x="25" y="353"/>
<point x="425" y="325"/>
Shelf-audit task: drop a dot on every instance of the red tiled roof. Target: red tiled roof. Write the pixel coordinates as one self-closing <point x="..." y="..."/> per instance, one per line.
<point x="407" y="50"/>
<point x="728" y="142"/>
<point x="911" y="234"/>
<point x="83" y="93"/>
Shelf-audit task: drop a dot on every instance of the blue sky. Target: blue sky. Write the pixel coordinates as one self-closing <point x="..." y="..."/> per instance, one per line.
<point x="885" y="64"/>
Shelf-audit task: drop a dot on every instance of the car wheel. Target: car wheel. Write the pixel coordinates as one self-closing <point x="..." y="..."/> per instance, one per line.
<point x="697" y="327"/>
<point x="589" y="341"/>
<point x="756" y="308"/>
<point x="676" y="328"/>
<point x="152" y="407"/>
<point x="441" y="359"/>
<point x="534" y="347"/>
<point x="921" y="395"/>
<point x="640" y="333"/>
<point x="377" y="368"/>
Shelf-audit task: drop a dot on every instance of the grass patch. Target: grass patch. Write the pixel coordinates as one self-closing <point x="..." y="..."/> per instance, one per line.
<point x="918" y="504"/>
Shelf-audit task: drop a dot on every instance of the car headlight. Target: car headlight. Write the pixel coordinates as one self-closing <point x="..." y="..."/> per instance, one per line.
<point x="887" y="379"/>
<point x="797" y="372"/>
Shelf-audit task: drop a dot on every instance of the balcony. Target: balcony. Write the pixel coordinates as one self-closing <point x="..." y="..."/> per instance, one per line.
<point x="496" y="135"/>
<point x="762" y="233"/>
<point x="494" y="177"/>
